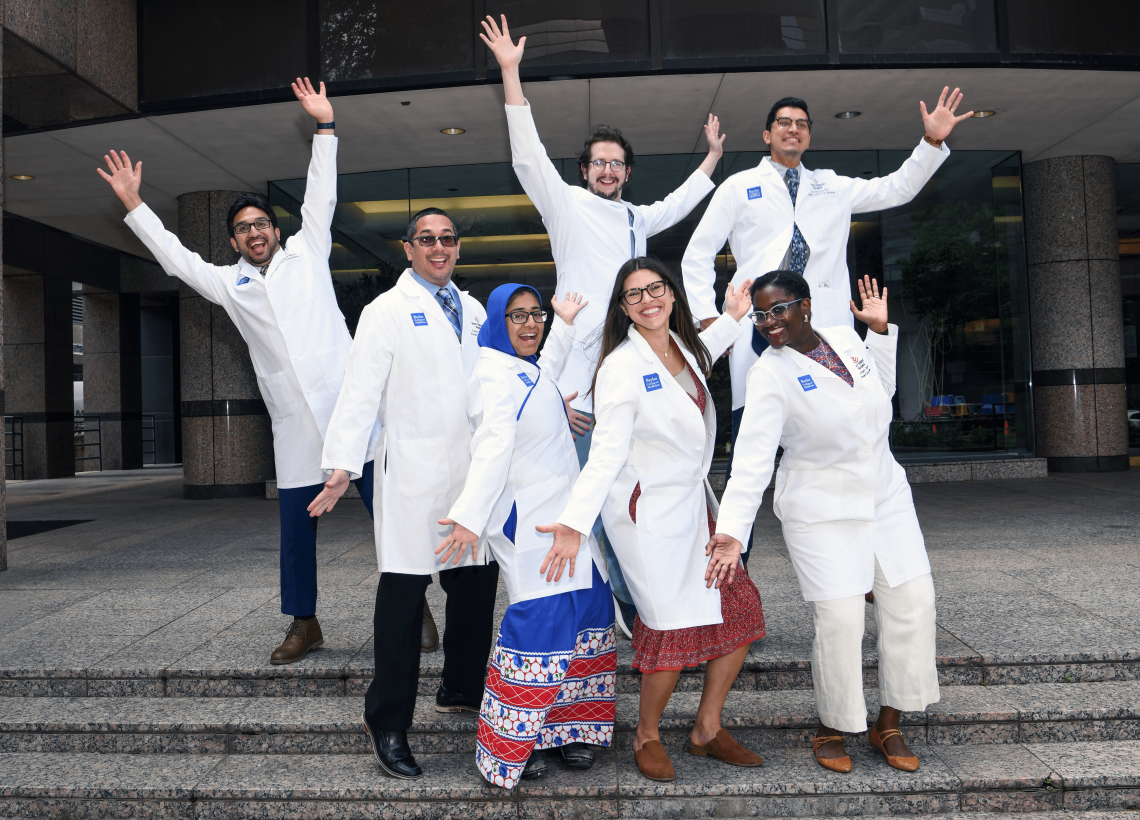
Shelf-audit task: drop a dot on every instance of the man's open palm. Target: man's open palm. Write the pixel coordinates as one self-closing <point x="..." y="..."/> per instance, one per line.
<point x="941" y="121"/>
<point x="315" y="103"/>
<point x="124" y="180"/>
<point x="506" y="52"/>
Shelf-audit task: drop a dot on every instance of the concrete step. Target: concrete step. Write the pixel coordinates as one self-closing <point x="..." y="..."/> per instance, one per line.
<point x="974" y="778"/>
<point x="1037" y="713"/>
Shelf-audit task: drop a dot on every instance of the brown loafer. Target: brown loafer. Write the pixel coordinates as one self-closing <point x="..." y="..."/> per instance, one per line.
<point x="301" y="637"/>
<point x="906" y="764"/>
<point x="653" y="762"/>
<point x="835" y="764"/>
<point x="725" y="748"/>
<point x="429" y="637"/>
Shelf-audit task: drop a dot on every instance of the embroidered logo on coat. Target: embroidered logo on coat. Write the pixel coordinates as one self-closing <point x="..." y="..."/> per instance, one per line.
<point x="806" y="383"/>
<point x="526" y="379"/>
<point x="862" y="366"/>
<point x="652" y="382"/>
<point x="243" y="280"/>
<point x="419" y="319"/>
<point x="755" y="193"/>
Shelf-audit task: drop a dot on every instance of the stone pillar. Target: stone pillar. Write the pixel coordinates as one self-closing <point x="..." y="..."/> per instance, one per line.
<point x="1075" y="314"/>
<point x="227" y="437"/>
<point x="112" y="376"/>
<point x="37" y="361"/>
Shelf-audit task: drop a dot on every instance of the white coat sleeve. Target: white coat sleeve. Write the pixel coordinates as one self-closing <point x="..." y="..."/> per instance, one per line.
<point x="765" y="411"/>
<point x="721" y="334"/>
<point x="884" y="348"/>
<point x="556" y="349"/>
<point x="492" y="411"/>
<point x="176" y="260"/>
<point x="698" y="266"/>
<point x="365" y="380"/>
<point x="903" y="185"/>
<point x="537" y="174"/>
<point x="615" y="408"/>
<point x="320" y="197"/>
<point x="666" y="213"/>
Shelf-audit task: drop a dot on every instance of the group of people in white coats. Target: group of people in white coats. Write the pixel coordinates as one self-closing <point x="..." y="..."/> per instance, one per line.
<point x="578" y="472"/>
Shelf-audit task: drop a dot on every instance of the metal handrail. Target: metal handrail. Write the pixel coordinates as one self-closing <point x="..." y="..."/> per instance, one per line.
<point x="14" y="432"/>
<point x="152" y="452"/>
<point x="81" y="429"/>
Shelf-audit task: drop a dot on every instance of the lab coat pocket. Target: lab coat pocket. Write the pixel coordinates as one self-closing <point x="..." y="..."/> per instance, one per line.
<point x="541" y="504"/>
<point x="422" y="467"/>
<point x="332" y="364"/>
<point x="280" y="398"/>
<point x="813" y="496"/>
<point x="669" y="512"/>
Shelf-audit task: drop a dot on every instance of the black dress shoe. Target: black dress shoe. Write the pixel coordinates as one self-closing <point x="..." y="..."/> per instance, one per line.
<point x="576" y="755"/>
<point x="392" y="753"/>
<point x="447" y="701"/>
<point x="535" y="766"/>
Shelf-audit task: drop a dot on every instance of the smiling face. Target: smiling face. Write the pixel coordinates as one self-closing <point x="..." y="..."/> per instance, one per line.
<point x="524" y="338"/>
<point x="793" y="328"/>
<point x="788" y="144"/>
<point x="606" y="183"/>
<point x="435" y="262"/>
<point x="258" y="246"/>
<point x="652" y="312"/>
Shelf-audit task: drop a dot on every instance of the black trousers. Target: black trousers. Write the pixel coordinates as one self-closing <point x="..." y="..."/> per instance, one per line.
<point x="398" y="624"/>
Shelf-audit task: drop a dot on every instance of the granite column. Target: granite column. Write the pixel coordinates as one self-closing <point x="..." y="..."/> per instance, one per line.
<point x="1075" y="314"/>
<point x="227" y="436"/>
<point x="112" y="376"/>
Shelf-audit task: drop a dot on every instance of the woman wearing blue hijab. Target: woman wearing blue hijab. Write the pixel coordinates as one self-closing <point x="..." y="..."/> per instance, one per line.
<point x="553" y="671"/>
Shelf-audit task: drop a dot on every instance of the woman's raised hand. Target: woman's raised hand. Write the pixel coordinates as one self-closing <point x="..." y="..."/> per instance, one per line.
<point x="569" y="307"/>
<point x="457" y="542"/>
<point x="739" y="301"/>
<point x="725" y="552"/>
<point x="874" y="310"/>
<point x="565" y="550"/>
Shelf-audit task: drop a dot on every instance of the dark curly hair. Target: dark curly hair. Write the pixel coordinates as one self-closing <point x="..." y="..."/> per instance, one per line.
<point x="605" y="133"/>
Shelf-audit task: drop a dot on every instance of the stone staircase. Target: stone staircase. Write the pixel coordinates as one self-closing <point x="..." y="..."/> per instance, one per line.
<point x="1012" y="734"/>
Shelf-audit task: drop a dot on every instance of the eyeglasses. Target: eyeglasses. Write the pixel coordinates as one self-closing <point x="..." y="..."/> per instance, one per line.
<point x="519" y="317"/>
<point x="263" y="224"/>
<point x="654" y="289"/>
<point x="786" y="122"/>
<point x="599" y="164"/>
<point x="428" y="241"/>
<point x="760" y="317"/>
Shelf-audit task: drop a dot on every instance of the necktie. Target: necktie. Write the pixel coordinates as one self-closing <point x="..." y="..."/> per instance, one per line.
<point x="799" y="247"/>
<point x="449" y="310"/>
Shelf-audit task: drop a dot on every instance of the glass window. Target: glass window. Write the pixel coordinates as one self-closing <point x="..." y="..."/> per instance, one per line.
<point x="1064" y="27"/>
<point x="1128" y="227"/>
<point x="576" y="32"/>
<point x="371" y="39"/>
<point x="917" y="27"/>
<point x="742" y="28"/>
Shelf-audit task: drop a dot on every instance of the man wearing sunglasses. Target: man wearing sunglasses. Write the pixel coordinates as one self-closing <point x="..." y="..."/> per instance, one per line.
<point x="782" y="216"/>
<point x="593" y="232"/>
<point x="282" y="302"/>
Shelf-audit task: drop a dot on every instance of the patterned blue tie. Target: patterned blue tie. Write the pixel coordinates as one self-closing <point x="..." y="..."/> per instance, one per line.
<point x="798" y="259"/>
<point x="449" y="310"/>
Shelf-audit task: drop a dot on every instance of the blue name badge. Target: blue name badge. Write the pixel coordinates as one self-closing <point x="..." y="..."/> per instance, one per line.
<point x="243" y="280"/>
<point x="526" y="379"/>
<point x="806" y="383"/>
<point x="419" y="319"/>
<point x="652" y="382"/>
<point x="755" y="193"/>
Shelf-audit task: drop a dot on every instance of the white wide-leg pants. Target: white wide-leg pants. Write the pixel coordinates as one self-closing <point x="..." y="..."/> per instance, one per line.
<point x="908" y="679"/>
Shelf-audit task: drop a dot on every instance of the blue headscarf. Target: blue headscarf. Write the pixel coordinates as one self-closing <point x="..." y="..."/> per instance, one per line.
<point x="494" y="334"/>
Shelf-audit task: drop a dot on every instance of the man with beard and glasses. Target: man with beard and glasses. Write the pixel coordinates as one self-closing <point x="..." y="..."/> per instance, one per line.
<point x="593" y="232"/>
<point x="281" y="300"/>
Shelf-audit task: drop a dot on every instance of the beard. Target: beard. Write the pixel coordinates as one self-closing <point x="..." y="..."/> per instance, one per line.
<point x="271" y="246"/>
<point x="614" y="197"/>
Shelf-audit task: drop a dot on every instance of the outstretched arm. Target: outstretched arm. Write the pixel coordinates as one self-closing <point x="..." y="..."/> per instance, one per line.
<point x="320" y="186"/>
<point x="716" y="145"/>
<point x="124" y="180"/>
<point x="508" y="56"/>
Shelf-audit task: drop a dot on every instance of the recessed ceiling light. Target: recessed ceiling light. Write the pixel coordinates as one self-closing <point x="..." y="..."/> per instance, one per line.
<point x="848" y="115"/>
<point x="982" y="114"/>
<point x="453" y="131"/>
<point x="22" y="177"/>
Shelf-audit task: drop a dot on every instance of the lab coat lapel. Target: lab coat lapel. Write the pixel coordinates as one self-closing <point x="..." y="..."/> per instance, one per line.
<point x="854" y="357"/>
<point x="427" y="304"/>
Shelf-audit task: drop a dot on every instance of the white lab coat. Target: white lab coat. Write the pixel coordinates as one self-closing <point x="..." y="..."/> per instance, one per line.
<point x="522" y="457"/>
<point x="753" y="211"/>
<point x="590" y="239"/>
<point x="648" y="429"/>
<point x="296" y="334"/>
<point x="842" y="498"/>
<point x="408" y="371"/>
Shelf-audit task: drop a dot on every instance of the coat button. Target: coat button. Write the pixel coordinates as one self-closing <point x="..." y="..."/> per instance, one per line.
<point x="866" y="449"/>
<point x="870" y="495"/>
<point x="858" y="403"/>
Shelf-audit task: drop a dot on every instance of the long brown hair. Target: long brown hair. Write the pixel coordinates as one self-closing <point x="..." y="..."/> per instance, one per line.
<point x="616" y="327"/>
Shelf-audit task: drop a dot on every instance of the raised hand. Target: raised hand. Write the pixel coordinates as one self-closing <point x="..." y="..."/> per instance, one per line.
<point x="874" y="310"/>
<point x="507" y="54"/>
<point x="327" y="498"/>
<point x="315" y="103"/>
<point x="714" y="137"/>
<point x="124" y="180"/>
<point x="568" y="308"/>
<point x="941" y="121"/>
<point x="725" y="552"/>
<point x="457" y="542"/>
<point x="564" y="551"/>
<point x="738" y="302"/>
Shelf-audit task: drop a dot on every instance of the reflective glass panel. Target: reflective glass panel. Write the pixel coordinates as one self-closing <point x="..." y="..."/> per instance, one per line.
<point x="1128" y="227"/>
<point x="742" y="28"/>
<point x="576" y="32"/>
<point x="1064" y="27"/>
<point x="917" y="27"/>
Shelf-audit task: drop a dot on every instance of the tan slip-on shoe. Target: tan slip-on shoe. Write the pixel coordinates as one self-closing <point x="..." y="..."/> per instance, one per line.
<point x="301" y="637"/>
<point x="653" y="762"/>
<point x="725" y="748"/>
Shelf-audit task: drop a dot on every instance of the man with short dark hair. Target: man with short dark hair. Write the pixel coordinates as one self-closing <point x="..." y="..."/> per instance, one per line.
<point x="415" y="350"/>
<point x="591" y="237"/>
<point x="282" y="302"/>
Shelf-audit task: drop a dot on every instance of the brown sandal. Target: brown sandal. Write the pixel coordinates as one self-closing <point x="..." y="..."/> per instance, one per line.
<point x="653" y="762"/>
<point x="835" y="764"/>
<point x="878" y="741"/>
